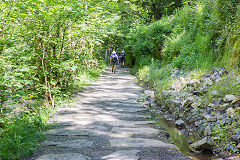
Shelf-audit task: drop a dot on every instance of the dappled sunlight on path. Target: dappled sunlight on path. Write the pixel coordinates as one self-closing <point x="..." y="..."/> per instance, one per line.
<point x="107" y="123"/>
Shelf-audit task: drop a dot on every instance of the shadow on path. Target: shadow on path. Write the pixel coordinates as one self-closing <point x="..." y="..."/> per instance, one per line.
<point x="107" y="123"/>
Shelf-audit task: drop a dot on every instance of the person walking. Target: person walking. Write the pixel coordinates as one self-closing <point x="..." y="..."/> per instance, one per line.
<point x="114" y="60"/>
<point x="122" y="58"/>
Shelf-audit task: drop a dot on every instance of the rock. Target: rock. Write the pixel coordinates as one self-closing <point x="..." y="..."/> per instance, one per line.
<point x="149" y="93"/>
<point x="139" y="143"/>
<point x="219" y="116"/>
<point x="211" y="105"/>
<point x="153" y="104"/>
<point x="230" y="111"/>
<point x="236" y="137"/>
<point x="196" y="104"/>
<point x="215" y="92"/>
<point x="210" y="118"/>
<point x="223" y="72"/>
<point x="238" y="146"/>
<point x="236" y="101"/>
<point x="173" y="86"/>
<point x="122" y="155"/>
<point x="219" y="101"/>
<point x="179" y="122"/>
<point x="193" y="83"/>
<point x="173" y="103"/>
<point x="216" y="138"/>
<point x="64" y="156"/>
<point x="184" y="131"/>
<point x="229" y="98"/>
<point x="208" y="82"/>
<point x="237" y="109"/>
<point x="201" y="145"/>
<point x="207" y="131"/>
<point x="165" y="93"/>
<point x="173" y="93"/>
<point x="203" y="90"/>
<point x="197" y="93"/>
<point x="126" y="132"/>
<point x="209" y="110"/>
<point x="79" y="143"/>
<point x="207" y="75"/>
<point x="226" y="105"/>
<point x="214" y="77"/>
<point x="186" y="103"/>
<point x="197" y="123"/>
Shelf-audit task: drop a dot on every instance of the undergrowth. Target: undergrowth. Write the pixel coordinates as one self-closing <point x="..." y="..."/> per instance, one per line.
<point x="21" y="133"/>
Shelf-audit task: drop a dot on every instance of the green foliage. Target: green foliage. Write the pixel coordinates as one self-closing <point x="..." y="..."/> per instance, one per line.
<point x="199" y="33"/>
<point x="154" y="75"/>
<point x="233" y="88"/>
<point x="21" y="136"/>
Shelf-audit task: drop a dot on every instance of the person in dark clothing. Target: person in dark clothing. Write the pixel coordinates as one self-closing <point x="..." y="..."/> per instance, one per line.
<point x="122" y="58"/>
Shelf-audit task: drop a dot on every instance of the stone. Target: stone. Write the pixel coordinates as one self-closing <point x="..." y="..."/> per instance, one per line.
<point x="214" y="77"/>
<point x="49" y="143"/>
<point x="173" y="93"/>
<point x="236" y="101"/>
<point x="223" y="72"/>
<point x="67" y="132"/>
<point x="211" y="105"/>
<point x="184" y="131"/>
<point x="210" y="118"/>
<point x="208" y="82"/>
<point x="219" y="116"/>
<point x="179" y="122"/>
<point x="207" y="131"/>
<point x="196" y="104"/>
<point x="229" y="98"/>
<point x="236" y="137"/>
<point x="139" y="143"/>
<point x="80" y="143"/>
<point x="153" y="104"/>
<point x="165" y="93"/>
<point x="193" y="83"/>
<point x="203" y="90"/>
<point x="215" y="92"/>
<point x="186" y="103"/>
<point x="173" y="103"/>
<point x="122" y="155"/>
<point x="132" y="123"/>
<point x="149" y="94"/>
<point x="238" y="146"/>
<point x="126" y="132"/>
<point x="197" y="93"/>
<point x="230" y="111"/>
<point x="219" y="101"/>
<point x="64" y="156"/>
<point x="201" y="145"/>
<point x="131" y="110"/>
<point x="226" y="105"/>
<point x="237" y="109"/>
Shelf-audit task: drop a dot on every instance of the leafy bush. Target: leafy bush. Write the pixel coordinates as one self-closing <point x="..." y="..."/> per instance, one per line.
<point x="21" y="136"/>
<point x="194" y="37"/>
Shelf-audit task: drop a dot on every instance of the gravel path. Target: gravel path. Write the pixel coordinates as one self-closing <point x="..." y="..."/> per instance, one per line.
<point x="107" y="123"/>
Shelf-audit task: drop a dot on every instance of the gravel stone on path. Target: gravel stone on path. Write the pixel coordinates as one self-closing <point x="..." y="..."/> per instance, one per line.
<point x="139" y="142"/>
<point x="65" y="156"/>
<point x="123" y="155"/>
<point x="106" y="123"/>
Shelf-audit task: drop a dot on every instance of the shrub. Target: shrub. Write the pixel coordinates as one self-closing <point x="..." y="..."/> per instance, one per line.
<point x="21" y="136"/>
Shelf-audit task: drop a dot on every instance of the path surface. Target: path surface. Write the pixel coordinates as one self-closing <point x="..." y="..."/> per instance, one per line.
<point x="107" y="123"/>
